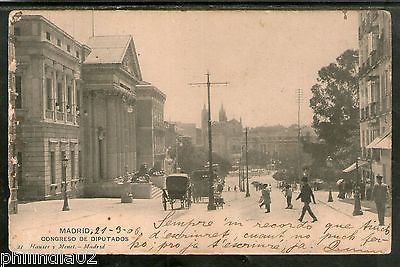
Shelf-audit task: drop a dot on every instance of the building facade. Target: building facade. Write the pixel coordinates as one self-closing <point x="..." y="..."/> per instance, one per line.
<point x="375" y="93"/>
<point x="280" y="145"/>
<point x="47" y="85"/>
<point x="12" y="156"/>
<point x="151" y="128"/>
<point x="108" y="123"/>
<point x="227" y="135"/>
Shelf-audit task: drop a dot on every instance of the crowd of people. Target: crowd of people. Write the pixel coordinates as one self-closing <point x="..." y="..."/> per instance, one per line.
<point x="377" y="192"/>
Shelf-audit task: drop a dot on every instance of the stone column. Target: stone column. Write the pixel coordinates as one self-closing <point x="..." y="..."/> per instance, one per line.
<point x="44" y="92"/>
<point x="118" y="136"/>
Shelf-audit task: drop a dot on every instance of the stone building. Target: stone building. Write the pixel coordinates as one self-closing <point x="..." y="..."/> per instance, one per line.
<point x="111" y="74"/>
<point x="150" y="126"/>
<point x="12" y="157"/>
<point x="227" y="135"/>
<point x="47" y="107"/>
<point x="375" y="93"/>
<point x="280" y="144"/>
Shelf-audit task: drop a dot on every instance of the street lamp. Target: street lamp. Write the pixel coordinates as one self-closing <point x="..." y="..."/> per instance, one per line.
<point x="177" y="145"/>
<point x="329" y="164"/>
<point x="64" y="164"/>
<point x="240" y="172"/>
<point x="357" y="202"/>
<point x="247" y="166"/>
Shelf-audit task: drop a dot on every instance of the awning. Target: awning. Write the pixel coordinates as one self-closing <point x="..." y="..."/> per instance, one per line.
<point x="374" y="142"/>
<point x="382" y="142"/>
<point x="353" y="166"/>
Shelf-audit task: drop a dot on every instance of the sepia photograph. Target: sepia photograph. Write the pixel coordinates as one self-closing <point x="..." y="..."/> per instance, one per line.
<point x="256" y="132"/>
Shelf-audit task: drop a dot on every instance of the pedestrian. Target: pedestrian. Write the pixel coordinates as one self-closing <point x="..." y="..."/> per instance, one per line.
<point x="380" y="196"/>
<point x="266" y="198"/>
<point x="288" y="195"/>
<point x="235" y="188"/>
<point x="306" y="194"/>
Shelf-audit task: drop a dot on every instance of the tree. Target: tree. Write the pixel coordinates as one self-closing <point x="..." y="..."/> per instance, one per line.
<point x="336" y="110"/>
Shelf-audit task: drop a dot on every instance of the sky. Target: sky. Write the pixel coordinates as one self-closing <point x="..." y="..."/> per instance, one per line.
<point x="265" y="56"/>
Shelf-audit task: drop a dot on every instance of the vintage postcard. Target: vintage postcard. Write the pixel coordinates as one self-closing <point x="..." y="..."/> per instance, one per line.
<point x="200" y="132"/>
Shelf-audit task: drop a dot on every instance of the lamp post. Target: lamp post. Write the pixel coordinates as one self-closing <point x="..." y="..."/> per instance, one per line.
<point x="240" y="173"/>
<point x="357" y="202"/>
<point x="64" y="164"/>
<point x="247" y="166"/>
<point x="329" y="164"/>
<point x="177" y="145"/>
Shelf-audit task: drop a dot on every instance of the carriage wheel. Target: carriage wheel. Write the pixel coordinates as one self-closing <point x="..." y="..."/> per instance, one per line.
<point x="164" y="202"/>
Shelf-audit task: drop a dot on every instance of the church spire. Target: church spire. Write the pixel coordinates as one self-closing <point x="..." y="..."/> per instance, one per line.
<point x="222" y="114"/>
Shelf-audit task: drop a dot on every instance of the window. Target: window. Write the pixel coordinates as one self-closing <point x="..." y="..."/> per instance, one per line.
<point x="48" y="36"/>
<point x="69" y="98"/>
<point x="386" y="82"/>
<point x="80" y="163"/>
<point x="77" y="54"/>
<point x="18" y="90"/>
<point x="49" y="93"/>
<point x="68" y="48"/>
<point x="58" y="42"/>
<point x="60" y="97"/>
<point x="17" y="31"/>
<point x="72" y="164"/>
<point x="19" y="169"/>
<point x="53" y="167"/>
<point x="78" y="98"/>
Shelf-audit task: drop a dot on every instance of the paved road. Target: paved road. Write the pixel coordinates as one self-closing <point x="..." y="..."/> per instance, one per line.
<point x="39" y="219"/>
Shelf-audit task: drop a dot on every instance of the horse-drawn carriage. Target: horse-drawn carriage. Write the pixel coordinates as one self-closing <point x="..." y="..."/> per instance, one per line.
<point x="200" y="183"/>
<point x="201" y="187"/>
<point x="178" y="188"/>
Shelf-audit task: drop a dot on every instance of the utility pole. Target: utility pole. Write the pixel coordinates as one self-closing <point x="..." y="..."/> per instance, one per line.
<point x="247" y="167"/>
<point x="299" y="99"/>
<point x="92" y="22"/>
<point x="211" y="204"/>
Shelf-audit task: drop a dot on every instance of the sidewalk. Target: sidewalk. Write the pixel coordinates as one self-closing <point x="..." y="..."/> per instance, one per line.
<point x="346" y="206"/>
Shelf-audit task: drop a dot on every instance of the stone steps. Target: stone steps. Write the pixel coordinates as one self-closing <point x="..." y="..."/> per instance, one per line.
<point x="155" y="192"/>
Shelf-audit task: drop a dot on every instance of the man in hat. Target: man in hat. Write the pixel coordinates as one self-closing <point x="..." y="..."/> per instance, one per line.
<point x="306" y="194"/>
<point x="380" y="196"/>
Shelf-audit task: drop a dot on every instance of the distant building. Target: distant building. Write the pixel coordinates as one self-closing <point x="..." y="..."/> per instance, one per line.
<point x="47" y="83"/>
<point x="227" y="135"/>
<point x="280" y="144"/>
<point x="151" y="129"/>
<point x="375" y="93"/>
